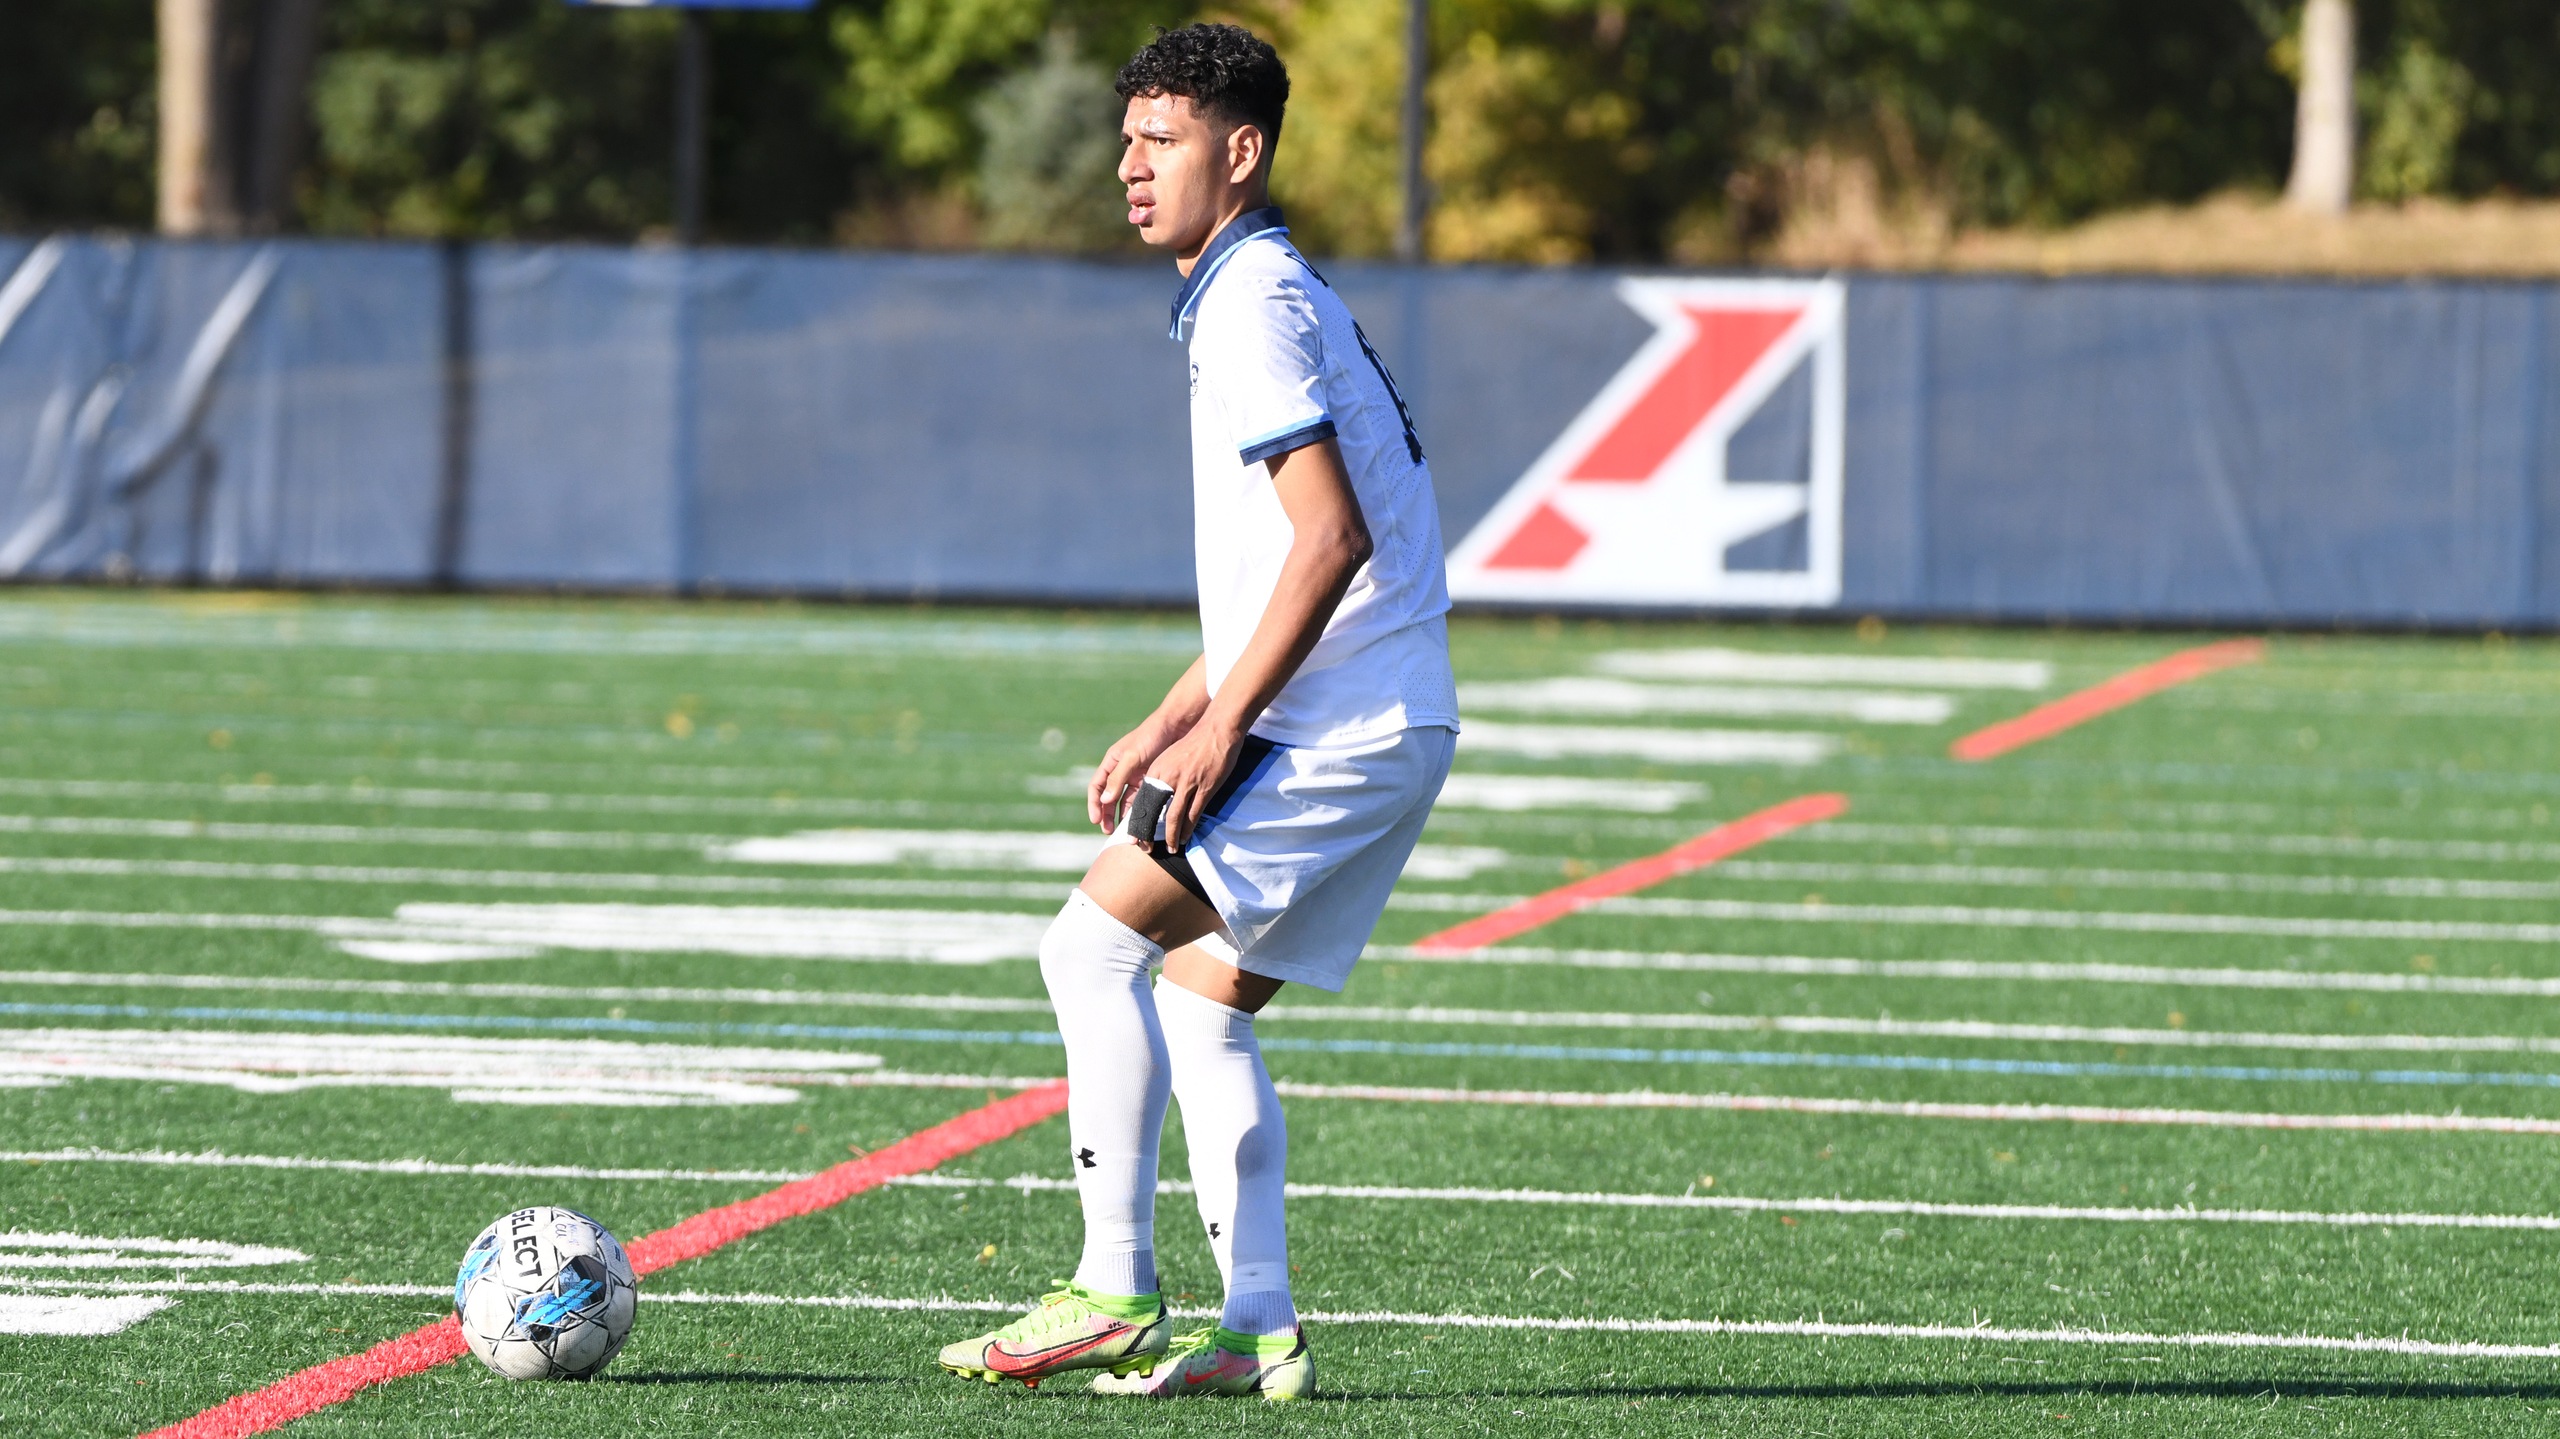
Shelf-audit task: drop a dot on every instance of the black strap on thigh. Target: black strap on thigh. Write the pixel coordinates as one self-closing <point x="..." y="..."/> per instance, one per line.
<point x="1252" y="758"/>
<point x="1179" y="866"/>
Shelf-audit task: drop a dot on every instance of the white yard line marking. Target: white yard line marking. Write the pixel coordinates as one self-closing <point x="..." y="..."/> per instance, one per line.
<point x="809" y="1075"/>
<point x="345" y="834"/>
<point x="1428" y="862"/>
<point x="1358" y="1014"/>
<point x="2393" y="886"/>
<point x="419" y="1168"/>
<point x="1727" y="664"/>
<point x="930" y="936"/>
<point x="1980" y="1333"/>
<point x="1911" y="1208"/>
<point x="1383" y="1193"/>
<point x="467" y="931"/>
<point x="611" y="1073"/>
<point x="1916" y="1109"/>
<point x="76" y="1316"/>
<point x="433" y="951"/>
<point x="2011" y="971"/>
<point x="1927" y="1029"/>
<point x="1032" y="850"/>
<point x="1512" y="793"/>
<point x="158" y="625"/>
<point x="1975" y="1334"/>
<point x="1067" y="853"/>
<point x="2197" y="841"/>
<point x="231" y="1286"/>
<point x="1583" y="695"/>
<point x="23" y="1250"/>
<point x="1964" y="916"/>
<point x="94" y="867"/>
<point x="508" y="801"/>
<point x="2039" y="972"/>
<point x="1658" y="746"/>
<point x="1453" y="861"/>
<point x="594" y="994"/>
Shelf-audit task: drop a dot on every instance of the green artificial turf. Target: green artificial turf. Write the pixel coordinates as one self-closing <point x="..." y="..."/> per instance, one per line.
<point x="188" y="783"/>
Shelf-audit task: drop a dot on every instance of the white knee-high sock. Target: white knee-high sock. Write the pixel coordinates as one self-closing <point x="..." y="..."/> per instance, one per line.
<point x="1239" y="1149"/>
<point x="1096" y="968"/>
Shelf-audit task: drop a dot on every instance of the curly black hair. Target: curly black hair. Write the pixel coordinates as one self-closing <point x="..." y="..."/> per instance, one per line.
<point x="1225" y="71"/>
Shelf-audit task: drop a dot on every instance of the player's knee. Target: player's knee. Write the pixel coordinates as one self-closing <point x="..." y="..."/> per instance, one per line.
<point x="1084" y="943"/>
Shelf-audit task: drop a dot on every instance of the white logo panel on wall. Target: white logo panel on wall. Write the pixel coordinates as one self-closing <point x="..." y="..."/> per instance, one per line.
<point x="1642" y="500"/>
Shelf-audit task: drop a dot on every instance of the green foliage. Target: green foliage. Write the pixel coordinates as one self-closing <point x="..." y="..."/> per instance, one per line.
<point x="76" y="113"/>
<point x="915" y="63"/>
<point x="2036" y="110"/>
<point x="530" y="117"/>
<point x="1562" y="129"/>
<point x="2420" y="103"/>
<point x="1569" y="127"/>
<point x="2507" y="126"/>
<point x="490" y="117"/>
<point x="1050" y="154"/>
<point x="915" y="68"/>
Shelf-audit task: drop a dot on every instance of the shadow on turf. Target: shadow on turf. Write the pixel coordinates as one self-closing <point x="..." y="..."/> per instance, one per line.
<point x="1951" y="1389"/>
<point x="750" y="1376"/>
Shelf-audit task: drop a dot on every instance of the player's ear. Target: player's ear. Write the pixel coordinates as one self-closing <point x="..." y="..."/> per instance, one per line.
<point x="1246" y="148"/>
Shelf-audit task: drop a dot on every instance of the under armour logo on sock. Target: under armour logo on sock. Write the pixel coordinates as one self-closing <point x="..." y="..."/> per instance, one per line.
<point x="1213" y="1229"/>
<point x="1085" y="1158"/>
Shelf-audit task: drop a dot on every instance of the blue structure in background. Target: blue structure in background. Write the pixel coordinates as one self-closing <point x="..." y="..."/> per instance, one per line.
<point x="2099" y="450"/>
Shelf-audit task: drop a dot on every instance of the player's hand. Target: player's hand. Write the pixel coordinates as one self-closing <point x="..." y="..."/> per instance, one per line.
<point x="1123" y="765"/>
<point x="1194" y="766"/>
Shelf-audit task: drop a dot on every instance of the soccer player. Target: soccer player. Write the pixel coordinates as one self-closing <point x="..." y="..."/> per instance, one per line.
<point x="1293" y="764"/>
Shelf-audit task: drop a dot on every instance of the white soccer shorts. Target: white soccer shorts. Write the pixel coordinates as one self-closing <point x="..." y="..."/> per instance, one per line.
<point x="1301" y="846"/>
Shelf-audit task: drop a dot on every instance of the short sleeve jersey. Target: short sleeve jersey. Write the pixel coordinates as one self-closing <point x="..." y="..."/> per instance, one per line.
<point x="1278" y="363"/>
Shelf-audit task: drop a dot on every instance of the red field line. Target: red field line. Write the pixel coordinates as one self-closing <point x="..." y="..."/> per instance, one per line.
<point x="1722" y="842"/>
<point x="2047" y="720"/>
<point x="322" y="1385"/>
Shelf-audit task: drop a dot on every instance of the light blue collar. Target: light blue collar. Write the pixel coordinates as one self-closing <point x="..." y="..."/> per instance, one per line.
<point x="1252" y="224"/>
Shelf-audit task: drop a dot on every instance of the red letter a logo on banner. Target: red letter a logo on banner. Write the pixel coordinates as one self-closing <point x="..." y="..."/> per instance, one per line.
<point x="1635" y="502"/>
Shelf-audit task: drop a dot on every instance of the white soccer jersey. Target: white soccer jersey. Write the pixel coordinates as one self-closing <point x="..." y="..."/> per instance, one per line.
<point x="1278" y="363"/>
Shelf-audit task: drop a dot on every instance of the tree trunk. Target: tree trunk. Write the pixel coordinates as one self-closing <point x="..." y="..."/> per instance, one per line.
<point x="186" y="111"/>
<point x="232" y="79"/>
<point x="2324" y="127"/>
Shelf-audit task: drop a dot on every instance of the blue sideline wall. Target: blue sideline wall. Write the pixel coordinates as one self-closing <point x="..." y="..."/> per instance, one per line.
<point x="587" y="417"/>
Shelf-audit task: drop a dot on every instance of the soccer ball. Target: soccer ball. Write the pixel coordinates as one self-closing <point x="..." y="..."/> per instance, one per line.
<point x="545" y="1293"/>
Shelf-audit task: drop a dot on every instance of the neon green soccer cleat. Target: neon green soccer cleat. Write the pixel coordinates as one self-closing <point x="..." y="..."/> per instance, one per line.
<point x="1216" y="1361"/>
<point x="1074" y="1328"/>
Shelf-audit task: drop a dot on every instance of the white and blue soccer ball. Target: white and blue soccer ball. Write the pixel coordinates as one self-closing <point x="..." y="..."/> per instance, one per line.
<point x="545" y="1293"/>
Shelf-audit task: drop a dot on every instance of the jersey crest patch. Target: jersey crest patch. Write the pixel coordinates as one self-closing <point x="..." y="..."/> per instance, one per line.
<point x="1707" y="471"/>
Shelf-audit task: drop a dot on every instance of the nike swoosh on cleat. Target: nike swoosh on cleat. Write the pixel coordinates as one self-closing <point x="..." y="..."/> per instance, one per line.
<point x="1226" y="1365"/>
<point x="1005" y="1361"/>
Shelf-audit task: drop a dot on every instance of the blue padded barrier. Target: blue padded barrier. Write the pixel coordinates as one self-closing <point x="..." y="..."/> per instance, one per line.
<point x="307" y="412"/>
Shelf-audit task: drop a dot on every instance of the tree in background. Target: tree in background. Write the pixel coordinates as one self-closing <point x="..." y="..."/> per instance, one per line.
<point x="922" y="80"/>
<point x="1049" y="155"/>
<point x="2462" y="98"/>
<point x="530" y="117"/>
<point x="232" y="79"/>
<point x="1586" y="128"/>
<point x="2324" y="127"/>
<point x="1703" y="131"/>
<point x="77" y="109"/>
